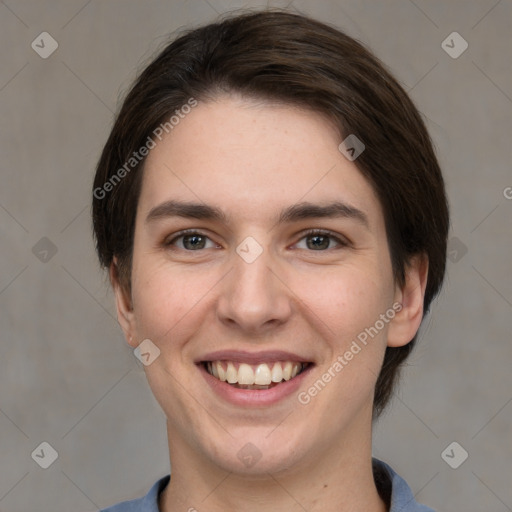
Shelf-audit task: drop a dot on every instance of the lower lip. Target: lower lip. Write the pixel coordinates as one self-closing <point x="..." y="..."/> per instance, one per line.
<point x="254" y="397"/>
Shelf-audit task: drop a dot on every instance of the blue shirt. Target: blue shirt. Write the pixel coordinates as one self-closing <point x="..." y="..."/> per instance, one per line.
<point x="392" y="488"/>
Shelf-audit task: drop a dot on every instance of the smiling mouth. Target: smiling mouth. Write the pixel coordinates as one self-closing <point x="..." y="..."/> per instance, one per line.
<point x="254" y="376"/>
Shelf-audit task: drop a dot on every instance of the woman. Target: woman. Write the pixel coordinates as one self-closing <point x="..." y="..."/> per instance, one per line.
<point x="274" y="221"/>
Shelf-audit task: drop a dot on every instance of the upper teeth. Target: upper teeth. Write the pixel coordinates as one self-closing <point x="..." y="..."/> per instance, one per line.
<point x="253" y="374"/>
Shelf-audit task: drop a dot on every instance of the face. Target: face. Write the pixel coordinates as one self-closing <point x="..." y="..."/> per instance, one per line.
<point x="283" y="267"/>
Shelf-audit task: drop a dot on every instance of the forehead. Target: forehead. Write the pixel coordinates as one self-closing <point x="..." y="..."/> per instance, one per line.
<point x="248" y="157"/>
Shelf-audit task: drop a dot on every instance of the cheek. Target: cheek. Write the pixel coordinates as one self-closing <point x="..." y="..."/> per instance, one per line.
<point x="350" y="304"/>
<point x="158" y="298"/>
<point x="354" y="342"/>
<point x="170" y="301"/>
<point x="347" y="300"/>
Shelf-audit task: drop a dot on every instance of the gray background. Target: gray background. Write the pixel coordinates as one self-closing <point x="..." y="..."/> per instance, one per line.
<point x="66" y="375"/>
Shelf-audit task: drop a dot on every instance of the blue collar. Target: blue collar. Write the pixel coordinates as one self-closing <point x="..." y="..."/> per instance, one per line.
<point x="392" y="488"/>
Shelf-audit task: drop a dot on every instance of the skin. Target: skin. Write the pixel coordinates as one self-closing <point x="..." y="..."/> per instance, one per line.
<point x="252" y="159"/>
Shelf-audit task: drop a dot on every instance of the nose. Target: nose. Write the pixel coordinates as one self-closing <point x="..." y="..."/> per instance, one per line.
<point x="255" y="297"/>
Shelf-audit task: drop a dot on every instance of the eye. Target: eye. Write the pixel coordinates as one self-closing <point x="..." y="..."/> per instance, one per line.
<point x="319" y="239"/>
<point x="191" y="241"/>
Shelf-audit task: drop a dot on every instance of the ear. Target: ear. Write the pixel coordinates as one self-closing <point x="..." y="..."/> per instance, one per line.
<point x="125" y="315"/>
<point x="407" y="320"/>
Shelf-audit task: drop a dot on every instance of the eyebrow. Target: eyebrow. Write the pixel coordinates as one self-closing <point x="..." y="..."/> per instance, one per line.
<point x="293" y="213"/>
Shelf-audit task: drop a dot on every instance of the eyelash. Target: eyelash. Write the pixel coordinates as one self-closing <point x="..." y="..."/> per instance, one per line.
<point x="311" y="232"/>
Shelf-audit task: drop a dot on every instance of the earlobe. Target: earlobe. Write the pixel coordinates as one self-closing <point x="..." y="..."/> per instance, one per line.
<point x="125" y="315"/>
<point x="407" y="321"/>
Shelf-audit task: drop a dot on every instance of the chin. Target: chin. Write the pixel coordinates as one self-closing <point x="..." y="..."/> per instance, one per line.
<point x="257" y="451"/>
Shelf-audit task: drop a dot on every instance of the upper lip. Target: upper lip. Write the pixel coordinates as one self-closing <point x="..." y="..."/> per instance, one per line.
<point x="242" y="356"/>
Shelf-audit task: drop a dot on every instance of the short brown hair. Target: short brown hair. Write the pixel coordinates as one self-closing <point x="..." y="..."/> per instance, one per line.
<point x="296" y="60"/>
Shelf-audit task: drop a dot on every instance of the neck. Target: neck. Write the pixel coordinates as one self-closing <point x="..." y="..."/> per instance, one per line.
<point x="335" y="479"/>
